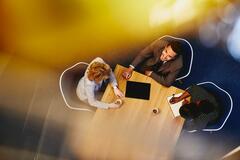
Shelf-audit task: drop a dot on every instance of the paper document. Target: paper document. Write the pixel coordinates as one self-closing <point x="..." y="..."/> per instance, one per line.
<point x="175" y="107"/>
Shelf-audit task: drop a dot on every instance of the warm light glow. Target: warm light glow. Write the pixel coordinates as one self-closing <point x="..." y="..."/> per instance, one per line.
<point x="183" y="11"/>
<point x="173" y="13"/>
<point x="208" y="34"/>
<point x="160" y="14"/>
<point x="233" y="42"/>
<point x="74" y="30"/>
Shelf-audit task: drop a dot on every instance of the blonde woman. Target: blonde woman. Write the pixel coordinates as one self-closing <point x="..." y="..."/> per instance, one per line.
<point x="96" y="73"/>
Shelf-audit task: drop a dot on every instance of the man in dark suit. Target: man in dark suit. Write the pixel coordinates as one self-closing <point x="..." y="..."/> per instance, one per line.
<point x="161" y="60"/>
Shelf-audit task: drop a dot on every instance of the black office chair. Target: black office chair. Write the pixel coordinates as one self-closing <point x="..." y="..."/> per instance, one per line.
<point x="68" y="84"/>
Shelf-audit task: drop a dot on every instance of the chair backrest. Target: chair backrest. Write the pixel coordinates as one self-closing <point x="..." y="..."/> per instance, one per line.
<point x="225" y="101"/>
<point x="187" y="56"/>
<point x="68" y="83"/>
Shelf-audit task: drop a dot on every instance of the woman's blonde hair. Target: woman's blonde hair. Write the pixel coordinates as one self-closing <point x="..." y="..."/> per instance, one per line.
<point x="98" y="71"/>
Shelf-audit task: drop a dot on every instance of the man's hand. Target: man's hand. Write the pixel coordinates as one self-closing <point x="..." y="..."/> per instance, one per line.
<point x="185" y="102"/>
<point x="148" y="73"/>
<point x="174" y="100"/>
<point x="127" y="73"/>
<point x="118" y="93"/>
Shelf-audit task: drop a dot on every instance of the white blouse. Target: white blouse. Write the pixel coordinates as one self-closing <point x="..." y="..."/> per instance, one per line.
<point x="86" y="89"/>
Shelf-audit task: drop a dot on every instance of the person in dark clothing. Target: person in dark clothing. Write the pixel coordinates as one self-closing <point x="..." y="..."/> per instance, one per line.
<point x="161" y="60"/>
<point x="201" y="110"/>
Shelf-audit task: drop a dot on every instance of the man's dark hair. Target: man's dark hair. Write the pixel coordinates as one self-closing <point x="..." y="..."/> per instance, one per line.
<point x="176" y="47"/>
<point x="189" y="111"/>
<point x="206" y="106"/>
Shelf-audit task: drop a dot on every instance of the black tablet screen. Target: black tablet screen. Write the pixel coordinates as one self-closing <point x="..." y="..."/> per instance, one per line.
<point x="138" y="90"/>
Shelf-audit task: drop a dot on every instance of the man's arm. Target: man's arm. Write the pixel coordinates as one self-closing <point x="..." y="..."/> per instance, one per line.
<point x="147" y="52"/>
<point x="151" y="49"/>
<point x="181" y="97"/>
<point x="144" y="54"/>
<point x="165" y="80"/>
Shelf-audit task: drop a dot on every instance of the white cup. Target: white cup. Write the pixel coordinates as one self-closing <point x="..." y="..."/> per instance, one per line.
<point x="156" y="110"/>
<point x="118" y="101"/>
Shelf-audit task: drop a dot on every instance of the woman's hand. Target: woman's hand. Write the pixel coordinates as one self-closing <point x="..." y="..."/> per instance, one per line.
<point x="116" y="104"/>
<point x="118" y="93"/>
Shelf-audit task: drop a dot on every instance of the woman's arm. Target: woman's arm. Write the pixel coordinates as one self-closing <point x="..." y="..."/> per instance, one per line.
<point x="93" y="101"/>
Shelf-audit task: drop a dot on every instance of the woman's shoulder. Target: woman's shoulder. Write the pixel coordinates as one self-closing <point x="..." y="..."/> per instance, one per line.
<point x="84" y="81"/>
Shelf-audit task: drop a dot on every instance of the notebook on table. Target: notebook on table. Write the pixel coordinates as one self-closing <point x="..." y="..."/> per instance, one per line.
<point x="176" y="106"/>
<point x="138" y="90"/>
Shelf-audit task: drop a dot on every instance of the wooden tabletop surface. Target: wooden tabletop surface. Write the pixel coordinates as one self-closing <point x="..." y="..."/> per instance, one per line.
<point x="133" y="131"/>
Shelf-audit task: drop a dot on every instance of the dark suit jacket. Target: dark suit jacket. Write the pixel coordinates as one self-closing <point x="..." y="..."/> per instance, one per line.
<point x="149" y="56"/>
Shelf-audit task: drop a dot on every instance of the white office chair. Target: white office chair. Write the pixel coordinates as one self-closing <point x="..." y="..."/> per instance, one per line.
<point x="68" y="83"/>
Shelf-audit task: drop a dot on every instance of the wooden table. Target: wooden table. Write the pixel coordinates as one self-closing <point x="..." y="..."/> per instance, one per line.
<point x="133" y="131"/>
